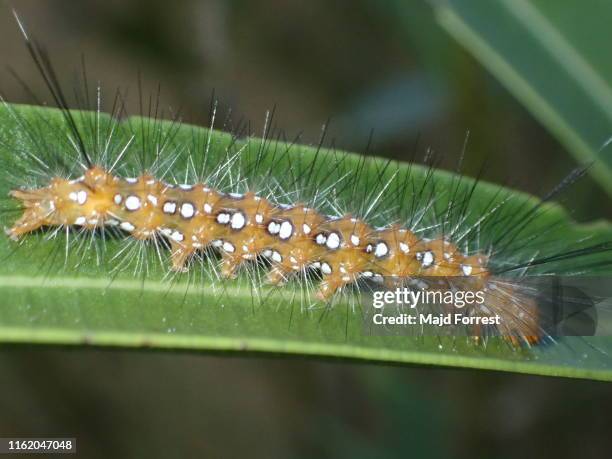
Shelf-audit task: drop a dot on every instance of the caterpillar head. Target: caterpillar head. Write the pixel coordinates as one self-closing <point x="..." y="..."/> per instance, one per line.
<point x="83" y="201"/>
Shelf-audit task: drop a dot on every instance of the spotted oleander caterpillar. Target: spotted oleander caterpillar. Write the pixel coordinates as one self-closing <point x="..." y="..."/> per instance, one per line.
<point x="246" y="227"/>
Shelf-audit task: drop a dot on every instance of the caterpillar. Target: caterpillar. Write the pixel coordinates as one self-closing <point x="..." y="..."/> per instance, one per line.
<point x="263" y="205"/>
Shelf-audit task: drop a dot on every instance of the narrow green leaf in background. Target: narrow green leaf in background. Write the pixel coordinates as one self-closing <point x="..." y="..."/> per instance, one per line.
<point x="554" y="57"/>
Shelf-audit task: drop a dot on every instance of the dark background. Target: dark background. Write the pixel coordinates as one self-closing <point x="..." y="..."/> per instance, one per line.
<point x="382" y="65"/>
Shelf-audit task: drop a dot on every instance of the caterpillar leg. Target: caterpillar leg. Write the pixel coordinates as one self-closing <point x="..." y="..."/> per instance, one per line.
<point x="229" y="265"/>
<point x="332" y="284"/>
<point x="180" y="255"/>
<point x="277" y="276"/>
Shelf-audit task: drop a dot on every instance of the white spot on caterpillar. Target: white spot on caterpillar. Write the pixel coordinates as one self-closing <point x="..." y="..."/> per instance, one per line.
<point x="245" y="248"/>
<point x="117" y="199"/>
<point x="426" y="258"/>
<point x="259" y="218"/>
<point x="166" y="231"/>
<point x="316" y="265"/>
<point x="273" y="228"/>
<point x="79" y="221"/>
<point x="342" y="269"/>
<point x="277" y="257"/>
<point x="236" y="195"/>
<point x="223" y="218"/>
<point x="217" y="243"/>
<point x="111" y="222"/>
<point x="382" y="249"/>
<point x="207" y="208"/>
<point x="377" y="278"/>
<point x="205" y="189"/>
<point x="333" y="241"/>
<point x="177" y="236"/>
<point x="466" y="269"/>
<point x="81" y="197"/>
<point x="355" y="239"/>
<point x="131" y="180"/>
<point x="72" y="196"/>
<point x="286" y="230"/>
<point x="325" y="268"/>
<point x="320" y="239"/>
<point x="187" y="210"/>
<point x="197" y="245"/>
<point x="150" y="182"/>
<point x="267" y="253"/>
<point x="293" y="260"/>
<point x="169" y="207"/>
<point x="132" y="203"/>
<point x="447" y="256"/>
<point x="228" y="247"/>
<point x="152" y="199"/>
<point x="404" y="247"/>
<point x="367" y="274"/>
<point x="238" y="221"/>
<point x="92" y="221"/>
<point x="127" y="226"/>
<point x="369" y="248"/>
<point x="306" y="229"/>
<point x="186" y="187"/>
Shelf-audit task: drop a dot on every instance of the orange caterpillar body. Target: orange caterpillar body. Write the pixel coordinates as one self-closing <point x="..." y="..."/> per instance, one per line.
<point x="243" y="227"/>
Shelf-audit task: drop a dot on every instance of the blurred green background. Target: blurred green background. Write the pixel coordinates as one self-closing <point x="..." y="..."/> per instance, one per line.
<point x="382" y="65"/>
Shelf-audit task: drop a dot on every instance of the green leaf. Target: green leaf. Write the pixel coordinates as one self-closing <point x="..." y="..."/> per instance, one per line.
<point x="554" y="58"/>
<point x="53" y="296"/>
